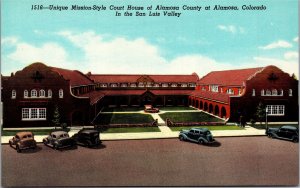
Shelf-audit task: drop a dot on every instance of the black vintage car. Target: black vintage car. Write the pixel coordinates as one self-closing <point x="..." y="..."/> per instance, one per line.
<point x="59" y="139"/>
<point x="87" y="137"/>
<point x="286" y="132"/>
<point x="199" y="135"/>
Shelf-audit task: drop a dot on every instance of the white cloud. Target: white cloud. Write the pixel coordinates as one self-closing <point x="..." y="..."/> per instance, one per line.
<point x="105" y="55"/>
<point x="289" y="66"/>
<point x="49" y="53"/>
<point x="9" y="41"/>
<point x="277" y="44"/>
<point x="231" y="29"/>
<point x="296" y="39"/>
<point x="291" y="55"/>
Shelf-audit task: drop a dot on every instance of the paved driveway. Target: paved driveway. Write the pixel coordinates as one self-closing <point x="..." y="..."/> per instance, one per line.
<point x="160" y="162"/>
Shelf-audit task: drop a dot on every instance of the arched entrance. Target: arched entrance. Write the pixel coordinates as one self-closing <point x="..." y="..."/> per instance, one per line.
<point x="223" y="112"/>
<point x="217" y="111"/>
<point x="201" y="105"/>
<point x="197" y="104"/>
<point x="205" y="106"/>
<point x="211" y="108"/>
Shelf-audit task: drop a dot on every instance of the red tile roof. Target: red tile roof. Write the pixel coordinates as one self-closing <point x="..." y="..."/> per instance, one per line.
<point x="94" y="96"/>
<point x="76" y="78"/>
<point x="221" y="97"/>
<point x="125" y="78"/>
<point x="229" y="77"/>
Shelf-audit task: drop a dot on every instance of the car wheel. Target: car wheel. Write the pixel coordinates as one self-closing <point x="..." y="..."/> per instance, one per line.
<point x="18" y="149"/>
<point x="201" y="141"/>
<point x="181" y="138"/>
<point x="295" y="140"/>
<point x="10" y="144"/>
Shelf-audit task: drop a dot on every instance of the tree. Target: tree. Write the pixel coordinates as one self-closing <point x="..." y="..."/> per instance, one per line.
<point x="260" y="112"/>
<point x="56" y="117"/>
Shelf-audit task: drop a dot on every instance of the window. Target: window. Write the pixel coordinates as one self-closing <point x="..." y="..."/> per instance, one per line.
<point x="13" y="94"/>
<point x="156" y="85"/>
<point x="49" y="93"/>
<point x="33" y="93"/>
<point x="281" y="92"/>
<point x="42" y="93"/>
<point x="103" y="85"/>
<point x="275" y="110"/>
<point x="113" y="85"/>
<point x="253" y="92"/>
<point x="203" y="89"/>
<point x="132" y="85"/>
<point x="61" y="93"/>
<point x="33" y="113"/>
<point x="230" y="91"/>
<point x="141" y="85"/>
<point x="124" y="85"/>
<point x="192" y="85"/>
<point x="149" y="85"/>
<point x="274" y="92"/>
<point x="164" y="85"/>
<point x="183" y="85"/>
<point x="25" y="93"/>
<point x="174" y="85"/>
<point x="262" y="93"/>
<point x="268" y="92"/>
<point x="214" y="88"/>
<point x="290" y="92"/>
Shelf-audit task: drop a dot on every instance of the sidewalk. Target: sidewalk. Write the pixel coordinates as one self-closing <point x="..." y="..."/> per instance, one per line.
<point x="166" y="132"/>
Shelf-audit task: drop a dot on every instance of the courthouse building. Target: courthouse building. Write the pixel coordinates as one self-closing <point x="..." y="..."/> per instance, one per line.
<point x="30" y="96"/>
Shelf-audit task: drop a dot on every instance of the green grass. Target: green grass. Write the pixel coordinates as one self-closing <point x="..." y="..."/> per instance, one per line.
<point x="123" y="109"/>
<point x="212" y="128"/>
<point x="177" y="108"/>
<point x="189" y="117"/>
<point x="263" y="126"/>
<point x="132" y="130"/>
<point x="106" y="119"/>
<point x="34" y="131"/>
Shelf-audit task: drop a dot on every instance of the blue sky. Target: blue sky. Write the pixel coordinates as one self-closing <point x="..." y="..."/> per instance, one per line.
<point x="197" y="41"/>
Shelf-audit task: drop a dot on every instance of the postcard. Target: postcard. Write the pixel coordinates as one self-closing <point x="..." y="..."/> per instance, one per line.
<point x="149" y="93"/>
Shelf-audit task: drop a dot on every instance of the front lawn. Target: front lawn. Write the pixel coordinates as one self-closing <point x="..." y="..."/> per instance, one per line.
<point x="111" y="118"/>
<point x="131" y="130"/>
<point x="189" y="117"/>
<point x="34" y="131"/>
<point x="212" y="128"/>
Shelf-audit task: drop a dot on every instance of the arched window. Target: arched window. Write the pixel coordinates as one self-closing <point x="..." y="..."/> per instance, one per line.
<point x="262" y="93"/>
<point x="253" y="92"/>
<point x="33" y="93"/>
<point x="290" y="92"/>
<point x="42" y="93"/>
<point x="13" y="94"/>
<point x="61" y="93"/>
<point x="49" y="93"/>
<point x="274" y="92"/>
<point x="268" y="92"/>
<point x="25" y="93"/>
<point x="281" y="92"/>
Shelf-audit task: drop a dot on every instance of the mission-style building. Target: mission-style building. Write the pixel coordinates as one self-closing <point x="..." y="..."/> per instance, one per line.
<point x="30" y="96"/>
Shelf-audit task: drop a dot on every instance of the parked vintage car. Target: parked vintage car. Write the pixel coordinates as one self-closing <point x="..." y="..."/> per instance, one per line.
<point x="151" y="109"/>
<point x="59" y="139"/>
<point x="286" y="132"/>
<point x="199" y="135"/>
<point x="87" y="137"/>
<point x="22" y="141"/>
